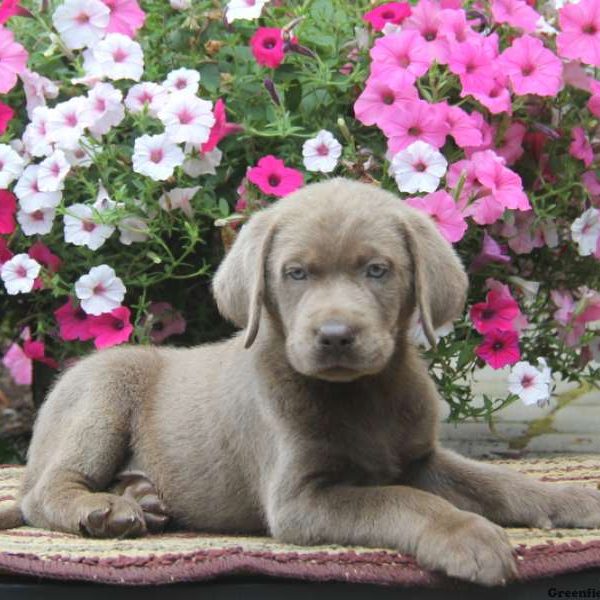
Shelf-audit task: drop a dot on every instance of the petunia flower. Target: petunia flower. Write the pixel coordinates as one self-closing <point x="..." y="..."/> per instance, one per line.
<point x="530" y="384"/>
<point x="182" y="80"/>
<point x="221" y="128"/>
<point x="52" y="172"/>
<point x="11" y="165"/>
<point x="497" y="98"/>
<point x="67" y="122"/>
<point x="462" y="127"/>
<point x="187" y="118"/>
<point x="322" y="152"/>
<point x="585" y="230"/>
<point x="532" y="68"/>
<point x="267" y="46"/>
<point x="6" y="115"/>
<point x="8" y="207"/>
<point x="179" y="198"/>
<point x="418" y="168"/>
<point x="40" y="252"/>
<point x="579" y="36"/>
<point x="100" y="291"/>
<point x="440" y="206"/>
<point x="119" y="57"/>
<point x="594" y="101"/>
<point x="510" y="147"/>
<point x="274" y="178"/>
<point x="166" y="321"/>
<point x="13" y="60"/>
<point x="35" y="137"/>
<point x="426" y="19"/>
<point x="37" y="90"/>
<point x="498" y="312"/>
<point x="133" y="229"/>
<point x="244" y="9"/>
<point x="499" y="348"/>
<point x="81" y="23"/>
<point x="82" y="229"/>
<point x="473" y="62"/>
<point x="146" y="95"/>
<point x="73" y="322"/>
<point x="491" y="251"/>
<point x="28" y="191"/>
<point x="406" y="51"/>
<point x="105" y="108"/>
<point x="390" y="12"/>
<point x="126" y="17"/>
<point x="5" y="253"/>
<point x="201" y="163"/>
<point x="19" y="274"/>
<point x="112" y="328"/>
<point x="580" y="146"/>
<point x="11" y="8"/>
<point x="516" y="13"/>
<point x="156" y="156"/>
<point x="37" y="222"/>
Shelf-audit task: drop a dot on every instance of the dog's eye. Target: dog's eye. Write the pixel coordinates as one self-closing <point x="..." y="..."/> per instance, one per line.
<point x="376" y="271"/>
<point x="297" y="273"/>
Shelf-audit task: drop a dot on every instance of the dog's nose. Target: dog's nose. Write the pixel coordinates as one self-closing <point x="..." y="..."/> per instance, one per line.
<point x="335" y="335"/>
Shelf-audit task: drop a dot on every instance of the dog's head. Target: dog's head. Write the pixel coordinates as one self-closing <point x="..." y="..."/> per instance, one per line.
<point x="340" y="267"/>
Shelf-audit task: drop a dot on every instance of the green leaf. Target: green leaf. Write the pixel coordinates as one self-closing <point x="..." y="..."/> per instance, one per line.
<point x="223" y="207"/>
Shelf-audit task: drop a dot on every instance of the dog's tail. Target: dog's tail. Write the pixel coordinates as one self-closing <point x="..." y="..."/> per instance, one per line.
<point x="11" y="517"/>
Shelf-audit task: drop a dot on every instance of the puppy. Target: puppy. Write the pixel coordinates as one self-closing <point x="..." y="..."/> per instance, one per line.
<point x="317" y="423"/>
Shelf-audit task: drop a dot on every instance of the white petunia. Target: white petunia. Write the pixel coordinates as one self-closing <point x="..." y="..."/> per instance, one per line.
<point x="37" y="88"/>
<point x="133" y="229"/>
<point x="11" y="165"/>
<point x="81" y="23"/>
<point x="119" y="57"/>
<point x="28" y="191"/>
<point x="106" y="109"/>
<point x="187" y="118"/>
<point x="92" y="68"/>
<point x="82" y="228"/>
<point x="322" y="152"/>
<point x="35" y="137"/>
<point x="244" y="9"/>
<point x="145" y="94"/>
<point x="156" y="156"/>
<point x="80" y="157"/>
<point x="37" y="222"/>
<point x="201" y="163"/>
<point x="416" y="333"/>
<point x="530" y="384"/>
<point x="585" y="230"/>
<point x="180" y="4"/>
<point x="67" y="122"/>
<point x="178" y="198"/>
<point x="418" y="168"/>
<point x="182" y="80"/>
<point x="100" y="291"/>
<point x="52" y="172"/>
<point x="19" y="273"/>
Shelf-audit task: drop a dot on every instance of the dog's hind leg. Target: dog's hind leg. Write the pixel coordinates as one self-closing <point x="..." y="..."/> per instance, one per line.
<point x="81" y="439"/>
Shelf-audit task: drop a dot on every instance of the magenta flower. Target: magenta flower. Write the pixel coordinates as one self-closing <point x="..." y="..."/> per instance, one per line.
<point x="532" y="68"/>
<point x="499" y="348"/>
<point x="580" y="146"/>
<point x="36" y="350"/>
<point x="126" y="17"/>
<point x="13" y="60"/>
<point x="221" y="128"/>
<point x="579" y="37"/>
<point x="443" y="210"/>
<point x="391" y="12"/>
<point x="166" y="321"/>
<point x="111" y="329"/>
<point x="5" y="253"/>
<point x="383" y="96"/>
<point x="491" y="251"/>
<point x="516" y="13"/>
<point x="40" y="252"/>
<point x="73" y="322"/>
<point x="267" y="46"/>
<point x="8" y="208"/>
<point x="405" y="51"/>
<point x="11" y="8"/>
<point x="274" y="178"/>
<point x="416" y="120"/>
<point x="498" y="312"/>
<point x="6" y="115"/>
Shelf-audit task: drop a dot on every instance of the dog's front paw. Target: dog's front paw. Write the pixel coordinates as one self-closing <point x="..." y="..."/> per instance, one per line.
<point x="110" y="516"/>
<point x="468" y="547"/>
<point x="574" y="506"/>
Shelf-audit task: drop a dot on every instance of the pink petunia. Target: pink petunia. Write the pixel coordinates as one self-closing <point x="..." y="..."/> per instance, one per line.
<point x="13" y="60"/>
<point x="491" y="251"/>
<point x="267" y="46"/>
<point x="18" y="364"/>
<point x="516" y="13"/>
<point x="499" y="348"/>
<point x="520" y="230"/>
<point x="455" y="28"/>
<point x="8" y="208"/>
<point x="594" y="102"/>
<point x="443" y="210"/>
<point x="574" y="316"/>
<point x="74" y="322"/>
<point x="221" y="129"/>
<point x="532" y="68"/>
<point x="591" y="183"/>
<point x="498" y="312"/>
<point x="166" y="321"/>
<point x="472" y="61"/>
<point x="405" y="51"/>
<point x="383" y="96"/>
<point x="126" y="17"/>
<point x="112" y="329"/>
<point x="426" y="19"/>
<point x="462" y="128"/>
<point x="510" y="147"/>
<point x="274" y="178"/>
<point x="580" y="146"/>
<point x="40" y="252"/>
<point x="579" y="36"/>
<point x="6" y="115"/>
<point x="391" y="12"/>
<point x="497" y="98"/>
<point x="415" y="120"/>
<point x="36" y="350"/>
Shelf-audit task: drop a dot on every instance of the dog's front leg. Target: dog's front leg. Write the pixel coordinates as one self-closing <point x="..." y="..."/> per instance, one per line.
<point x="441" y="537"/>
<point x="503" y="495"/>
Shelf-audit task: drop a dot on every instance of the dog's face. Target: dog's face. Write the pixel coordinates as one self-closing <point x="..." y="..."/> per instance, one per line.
<point x="340" y="266"/>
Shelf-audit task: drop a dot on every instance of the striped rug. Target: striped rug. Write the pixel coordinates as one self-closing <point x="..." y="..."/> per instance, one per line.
<point x="178" y="557"/>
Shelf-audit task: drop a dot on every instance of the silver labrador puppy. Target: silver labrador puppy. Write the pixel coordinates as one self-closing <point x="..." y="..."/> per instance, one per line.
<point x="317" y="423"/>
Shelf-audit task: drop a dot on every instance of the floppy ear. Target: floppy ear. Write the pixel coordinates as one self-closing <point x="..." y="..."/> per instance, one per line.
<point x="240" y="281"/>
<point x="440" y="281"/>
